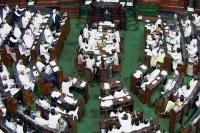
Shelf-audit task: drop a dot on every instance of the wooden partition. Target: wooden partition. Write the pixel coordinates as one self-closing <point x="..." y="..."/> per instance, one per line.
<point x="165" y="5"/>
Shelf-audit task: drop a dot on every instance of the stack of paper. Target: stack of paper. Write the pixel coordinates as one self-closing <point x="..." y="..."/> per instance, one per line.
<point x="154" y="82"/>
<point x="74" y="80"/>
<point x="164" y="73"/>
<point x="52" y="63"/>
<point x="137" y="74"/>
<point x="83" y="84"/>
<point x="106" y="86"/>
<point x="56" y="68"/>
<point x="143" y="67"/>
<point x="55" y="94"/>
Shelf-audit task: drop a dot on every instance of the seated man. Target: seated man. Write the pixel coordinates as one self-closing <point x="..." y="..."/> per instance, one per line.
<point x="53" y="119"/>
<point x="115" y="129"/>
<point x="13" y="41"/>
<point x="66" y="84"/>
<point x="170" y="104"/>
<point x="4" y="70"/>
<point x="49" y="77"/>
<point x="90" y="62"/>
<point x="120" y="94"/>
<point x="40" y="65"/>
<point x="106" y="16"/>
<point x="73" y="113"/>
<point x="177" y="58"/>
<point x="21" y="67"/>
<point x="26" y="81"/>
<point x="125" y="122"/>
<point x="48" y="34"/>
<point x="10" y="86"/>
<point x="28" y="39"/>
<point x="17" y="32"/>
<point x="44" y="50"/>
<point x="62" y="124"/>
<point x="10" y="124"/>
<point x="17" y="12"/>
<point x="6" y="27"/>
<point x="44" y="103"/>
<point x="169" y="85"/>
<point x="6" y="10"/>
<point x="25" y="21"/>
<point x="116" y="45"/>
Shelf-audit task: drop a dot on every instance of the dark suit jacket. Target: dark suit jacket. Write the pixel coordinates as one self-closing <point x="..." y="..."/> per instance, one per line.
<point x="106" y="17"/>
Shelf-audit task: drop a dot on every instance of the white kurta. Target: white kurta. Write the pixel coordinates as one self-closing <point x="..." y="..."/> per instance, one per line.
<point x="53" y="120"/>
<point x="5" y="12"/>
<point x="22" y="68"/>
<point x="177" y="59"/>
<point x="25" y="22"/>
<point x="65" y="88"/>
<point x="6" y="28"/>
<point x="44" y="51"/>
<point x="85" y="33"/>
<point x="90" y="63"/>
<point x="48" y="36"/>
<point x="17" y="32"/>
<point x="28" y="40"/>
<point x="125" y="124"/>
<point x="26" y="82"/>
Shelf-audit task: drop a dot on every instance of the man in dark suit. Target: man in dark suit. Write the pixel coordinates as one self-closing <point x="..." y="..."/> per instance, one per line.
<point x="56" y="20"/>
<point x="49" y="77"/>
<point x="107" y="16"/>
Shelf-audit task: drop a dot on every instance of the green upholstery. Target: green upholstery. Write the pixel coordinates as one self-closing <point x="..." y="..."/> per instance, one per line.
<point x="145" y="10"/>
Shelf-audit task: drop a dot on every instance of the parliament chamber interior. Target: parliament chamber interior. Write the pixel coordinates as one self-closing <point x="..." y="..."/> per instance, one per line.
<point x="100" y="66"/>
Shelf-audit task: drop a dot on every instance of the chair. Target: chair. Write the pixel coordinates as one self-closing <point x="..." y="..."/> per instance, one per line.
<point x="27" y="97"/>
<point x="44" y="88"/>
<point x="104" y="74"/>
<point x="78" y="67"/>
<point x="12" y="106"/>
<point x="117" y="69"/>
<point x="88" y="75"/>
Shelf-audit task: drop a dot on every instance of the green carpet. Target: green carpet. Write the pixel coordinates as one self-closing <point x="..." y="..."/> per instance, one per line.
<point x="134" y="55"/>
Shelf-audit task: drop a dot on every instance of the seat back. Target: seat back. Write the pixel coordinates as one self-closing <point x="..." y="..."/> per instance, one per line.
<point x="12" y="106"/>
<point x="88" y="75"/>
<point x="104" y="75"/>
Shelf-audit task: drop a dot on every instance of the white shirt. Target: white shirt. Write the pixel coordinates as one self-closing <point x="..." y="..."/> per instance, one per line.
<point x="48" y="35"/>
<point x="85" y="33"/>
<point x="19" y="129"/>
<point x="125" y="124"/>
<point x="53" y="120"/>
<point x="41" y="121"/>
<point x="25" y="21"/>
<point x="39" y="65"/>
<point x="5" y="72"/>
<point x="25" y="80"/>
<point x="44" y="51"/>
<point x="54" y="17"/>
<point x="192" y="49"/>
<point x="17" y="32"/>
<point x="22" y="67"/>
<point x="115" y="59"/>
<point x="11" y="126"/>
<point x="65" y="88"/>
<point x="5" y="12"/>
<point x="7" y="28"/>
<point x="198" y="102"/>
<point x="2" y="33"/>
<point x="187" y="31"/>
<point x="28" y="40"/>
<point x="158" y="22"/>
<point x="90" y="63"/>
<point x="117" y="36"/>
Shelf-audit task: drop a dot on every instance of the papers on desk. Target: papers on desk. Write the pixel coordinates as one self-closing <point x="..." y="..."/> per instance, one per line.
<point x="47" y="15"/>
<point x="35" y="73"/>
<point x="137" y="74"/>
<point x="83" y="84"/>
<point x="128" y="97"/>
<point x="59" y="101"/>
<point x="56" y="68"/>
<point x="96" y="52"/>
<point x="117" y="81"/>
<point x="106" y="86"/>
<point x="99" y="57"/>
<point x="70" y="100"/>
<point x="158" y="78"/>
<point x="74" y="80"/>
<point x="143" y="67"/>
<point x="87" y="2"/>
<point x="154" y="82"/>
<point x="148" y="51"/>
<point x="164" y="73"/>
<point x="139" y="17"/>
<point x="44" y="20"/>
<point x="52" y="63"/>
<point x="55" y="94"/>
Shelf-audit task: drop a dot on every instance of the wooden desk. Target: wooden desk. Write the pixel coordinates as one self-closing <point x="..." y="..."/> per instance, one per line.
<point x="82" y="90"/>
<point x="133" y="79"/>
<point x="97" y="9"/>
<point x="80" y="103"/>
<point x="126" y="104"/>
<point x="162" y="102"/>
<point x="150" y="89"/>
<point x="114" y="86"/>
